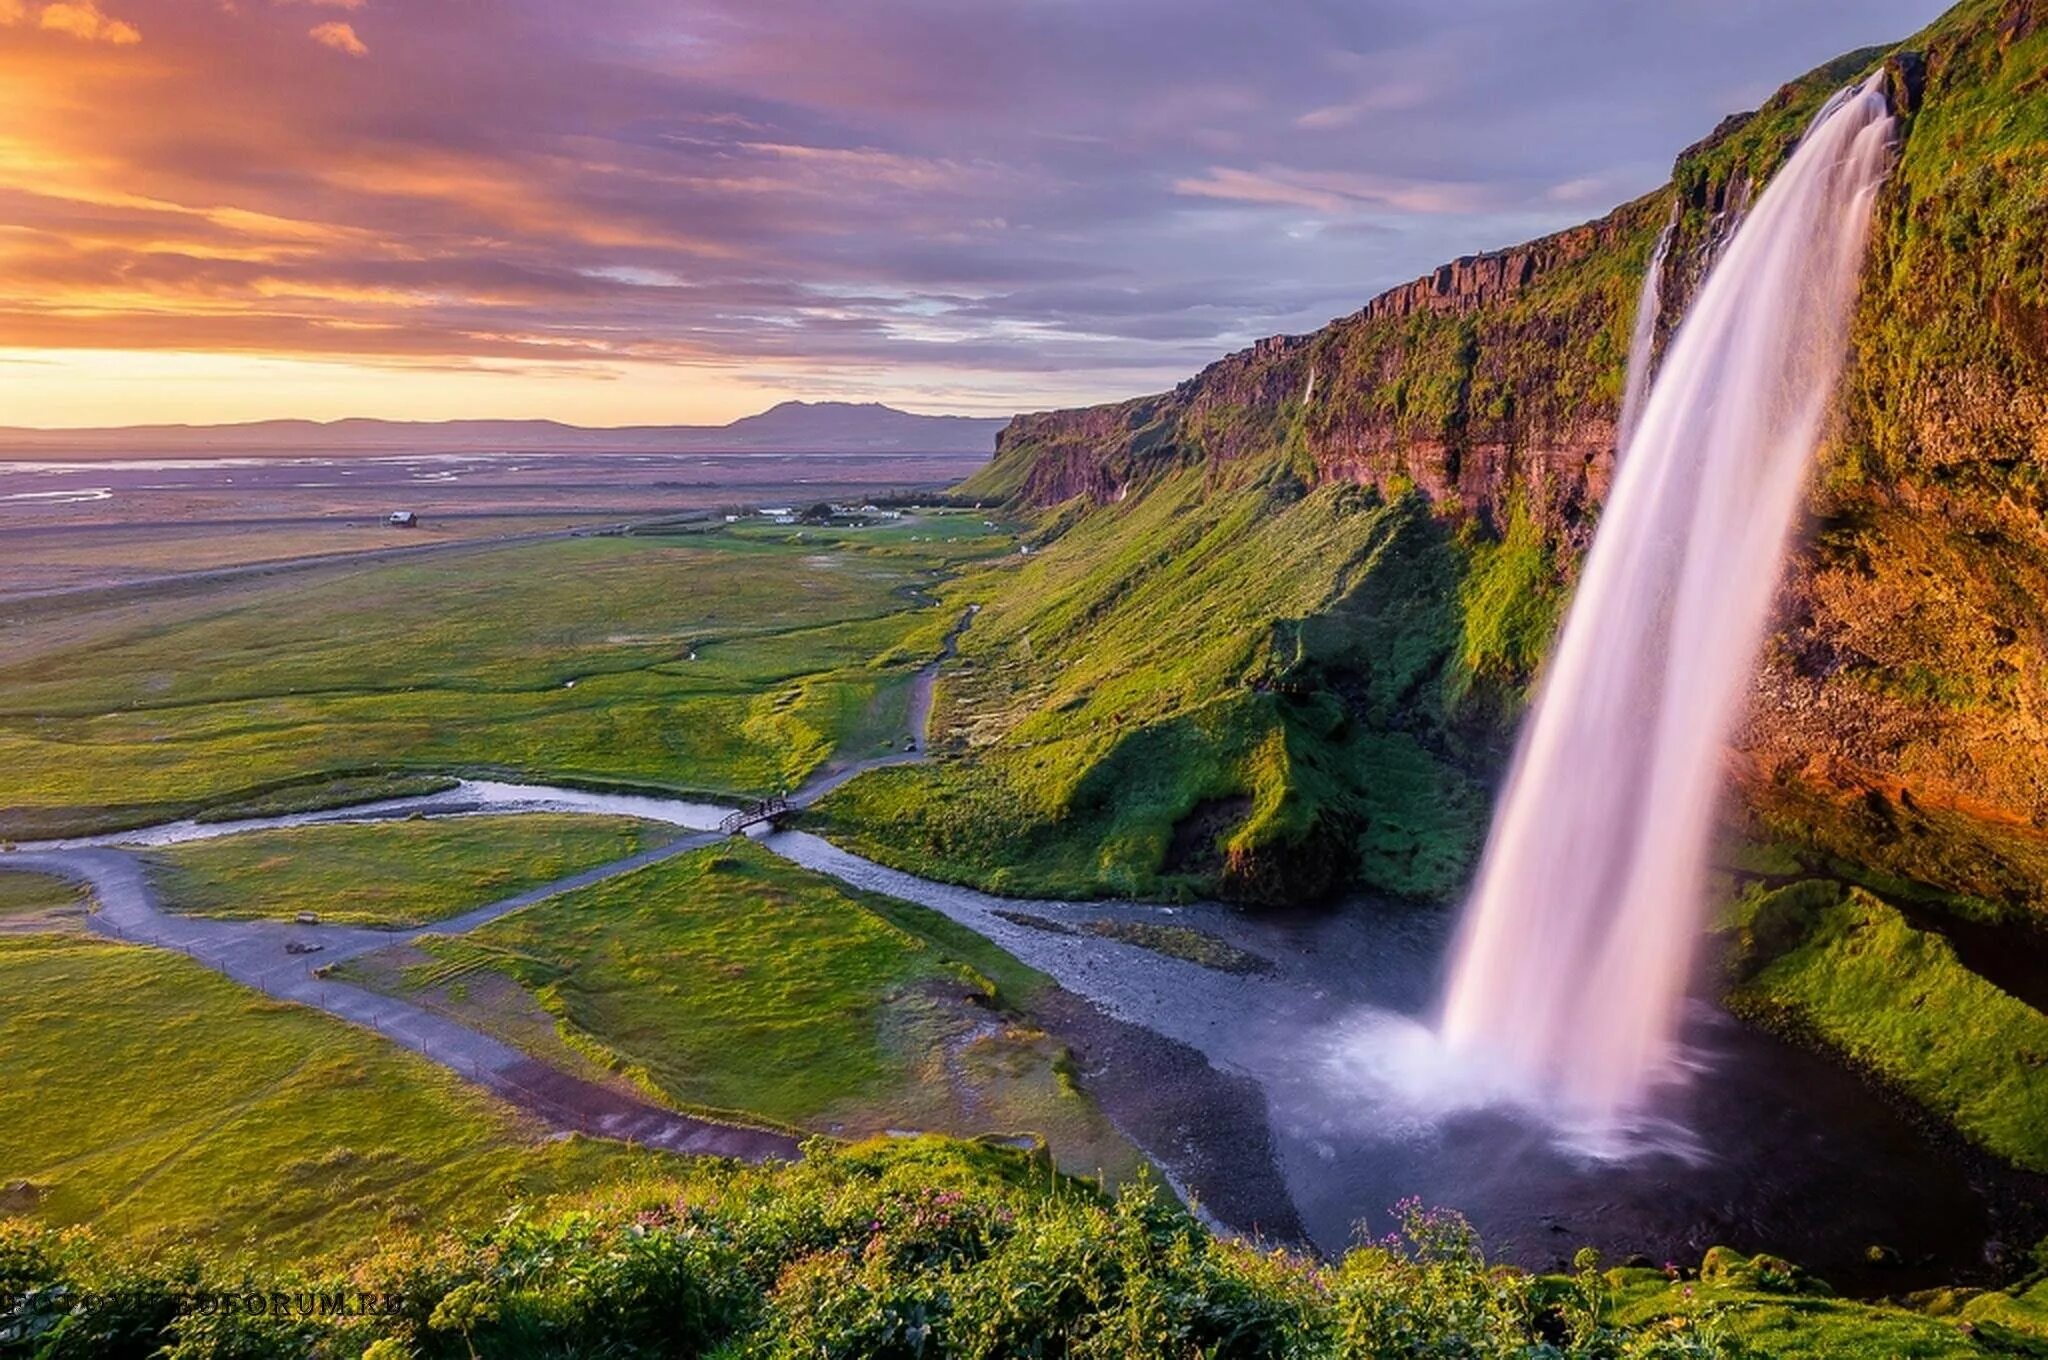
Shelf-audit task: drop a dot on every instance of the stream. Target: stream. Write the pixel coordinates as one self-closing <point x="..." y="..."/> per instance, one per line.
<point x="1765" y="1146"/>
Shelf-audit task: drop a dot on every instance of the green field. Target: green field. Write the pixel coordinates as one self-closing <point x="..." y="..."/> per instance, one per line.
<point x="24" y="895"/>
<point x="718" y="662"/>
<point x="400" y="873"/>
<point x="144" y="1094"/>
<point x="729" y="981"/>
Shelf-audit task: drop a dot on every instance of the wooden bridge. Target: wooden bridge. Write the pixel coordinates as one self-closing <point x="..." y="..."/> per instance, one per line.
<point x="769" y="810"/>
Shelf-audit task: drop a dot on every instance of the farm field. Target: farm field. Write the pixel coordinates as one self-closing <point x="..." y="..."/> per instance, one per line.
<point x="73" y="520"/>
<point x="727" y="663"/>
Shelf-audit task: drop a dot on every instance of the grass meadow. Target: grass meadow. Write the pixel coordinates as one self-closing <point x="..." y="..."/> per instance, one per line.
<point x="720" y="663"/>
<point x="34" y="895"/>
<point x="728" y="981"/>
<point x="143" y="1094"/>
<point x="392" y="873"/>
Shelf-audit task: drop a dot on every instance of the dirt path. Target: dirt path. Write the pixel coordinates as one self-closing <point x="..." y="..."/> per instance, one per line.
<point x="918" y="721"/>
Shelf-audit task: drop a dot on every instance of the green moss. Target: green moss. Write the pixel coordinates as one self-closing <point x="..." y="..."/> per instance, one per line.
<point x="1182" y="942"/>
<point x="1511" y="601"/>
<point x="1847" y="970"/>
<point x="2021" y="1311"/>
<point x="1747" y="1320"/>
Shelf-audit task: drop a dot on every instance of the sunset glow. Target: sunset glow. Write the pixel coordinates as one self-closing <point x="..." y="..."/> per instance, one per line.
<point x="622" y="211"/>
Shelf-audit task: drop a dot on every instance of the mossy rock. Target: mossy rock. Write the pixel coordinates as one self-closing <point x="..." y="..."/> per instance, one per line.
<point x="1762" y="1272"/>
<point x="1782" y="920"/>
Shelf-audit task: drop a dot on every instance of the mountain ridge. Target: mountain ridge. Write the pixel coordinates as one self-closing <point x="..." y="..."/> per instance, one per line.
<point x="787" y="427"/>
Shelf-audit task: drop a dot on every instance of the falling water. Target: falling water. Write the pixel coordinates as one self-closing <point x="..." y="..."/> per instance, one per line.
<point x="1579" y="935"/>
<point x="1642" y="342"/>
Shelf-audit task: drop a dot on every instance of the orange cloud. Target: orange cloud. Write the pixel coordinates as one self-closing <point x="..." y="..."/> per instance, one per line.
<point x="84" y="19"/>
<point x="339" y="36"/>
<point x="12" y="11"/>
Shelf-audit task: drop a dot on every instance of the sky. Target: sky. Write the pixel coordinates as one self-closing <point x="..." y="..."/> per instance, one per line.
<point x="632" y="211"/>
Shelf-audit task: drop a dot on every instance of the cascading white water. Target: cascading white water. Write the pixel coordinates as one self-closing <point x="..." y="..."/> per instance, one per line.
<point x="1642" y="341"/>
<point x="1578" y="938"/>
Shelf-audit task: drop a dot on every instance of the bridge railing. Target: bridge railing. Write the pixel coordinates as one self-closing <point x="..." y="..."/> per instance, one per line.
<point x="767" y="810"/>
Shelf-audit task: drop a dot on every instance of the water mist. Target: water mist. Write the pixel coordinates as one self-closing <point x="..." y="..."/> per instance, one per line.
<point x="1578" y="938"/>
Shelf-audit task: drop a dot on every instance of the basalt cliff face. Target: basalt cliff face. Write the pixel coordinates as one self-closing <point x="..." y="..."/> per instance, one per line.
<point x="1279" y="621"/>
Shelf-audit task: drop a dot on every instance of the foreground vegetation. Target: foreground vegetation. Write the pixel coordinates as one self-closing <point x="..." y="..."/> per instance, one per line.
<point x="728" y="981"/>
<point x="143" y="1094"/>
<point x="391" y="873"/>
<point x="727" y="663"/>
<point x="934" y="1249"/>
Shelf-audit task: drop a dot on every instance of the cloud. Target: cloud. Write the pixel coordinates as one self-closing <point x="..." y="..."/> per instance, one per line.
<point x="339" y="36"/>
<point x="84" y="19"/>
<point x="1039" y="201"/>
<point x="1337" y="193"/>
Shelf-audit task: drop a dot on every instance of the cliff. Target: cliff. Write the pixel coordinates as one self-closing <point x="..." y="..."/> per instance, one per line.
<point x="1458" y="433"/>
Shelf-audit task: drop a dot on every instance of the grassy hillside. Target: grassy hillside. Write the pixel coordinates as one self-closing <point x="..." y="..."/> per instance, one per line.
<point x="1146" y="707"/>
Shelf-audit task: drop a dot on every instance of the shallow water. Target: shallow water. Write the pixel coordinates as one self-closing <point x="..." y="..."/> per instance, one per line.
<point x="1761" y="1145"/>
<point x="1757" y="1144"/>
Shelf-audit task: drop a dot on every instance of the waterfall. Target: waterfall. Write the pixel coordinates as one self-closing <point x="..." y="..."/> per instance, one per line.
<point x="1575" y="946"/>
<point x="1642" y="341"/>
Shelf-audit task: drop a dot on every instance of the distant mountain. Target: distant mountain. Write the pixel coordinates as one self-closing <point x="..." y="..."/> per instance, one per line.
<point x="825" y="427"/>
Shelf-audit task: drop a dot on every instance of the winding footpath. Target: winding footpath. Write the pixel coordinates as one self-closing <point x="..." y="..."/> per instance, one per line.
<point x="286" y="960"/>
